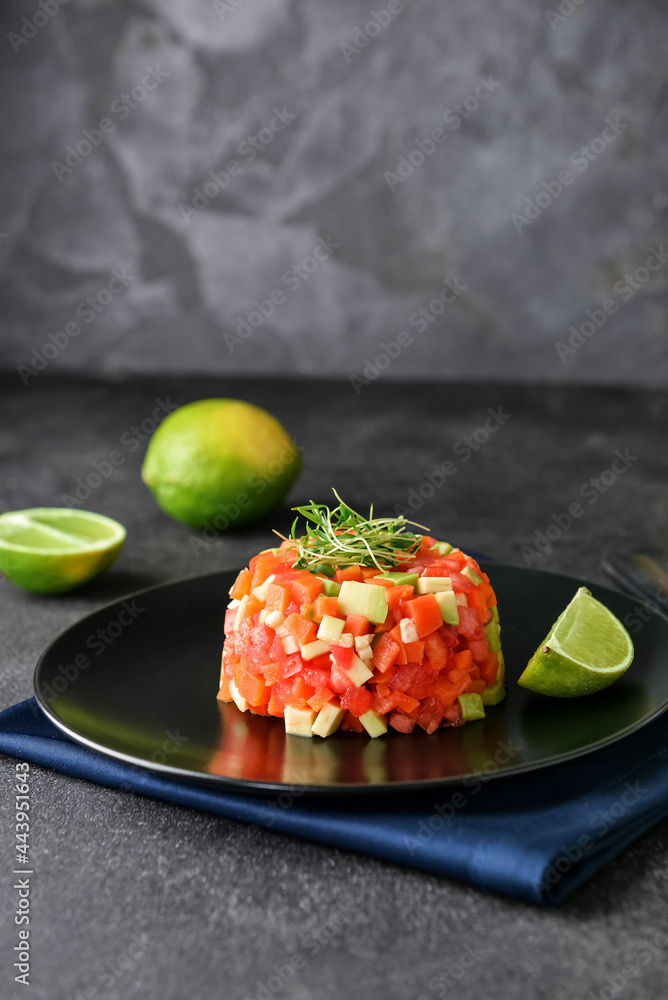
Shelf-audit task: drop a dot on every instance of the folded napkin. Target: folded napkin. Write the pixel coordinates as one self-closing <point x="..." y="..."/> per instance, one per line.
<point x="536" y="836"/>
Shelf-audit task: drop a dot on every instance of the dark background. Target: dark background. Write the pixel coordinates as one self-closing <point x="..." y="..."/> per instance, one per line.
<point x="137" y="899"/>
<point x="357" y="112"/>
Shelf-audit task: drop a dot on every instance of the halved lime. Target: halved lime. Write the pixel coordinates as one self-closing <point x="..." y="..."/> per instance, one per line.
<point x="587" y="649"/>
<point x="49" y="550"/>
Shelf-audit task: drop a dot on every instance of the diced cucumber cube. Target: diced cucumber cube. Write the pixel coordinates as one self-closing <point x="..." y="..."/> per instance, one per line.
<point x="299" y="721"/>
<point x="472" y="707"/>
<point x="433" y="584"/>
<point x="447" y="603"/>
<point x="367" y="599"/>
<point x="374" y="724"/>
<point x="494" y="694"/>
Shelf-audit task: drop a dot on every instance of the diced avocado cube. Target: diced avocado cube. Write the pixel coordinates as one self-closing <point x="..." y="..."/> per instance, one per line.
<point x="501" y="672"/>
<point x="401" y="579"/>
<point x="472" y="575"/>
<point x="299" y="721"/>
<point x="494" y="694"/>
<point x="330" y="628"/>
<point x="367" y="599"/>
<point x="330" y="588"/>
<point x="443" y="548"/>
<point x="374" y="724"/>
<point x="447" y="602"/>
<point x="433" y="584"/>
<point x="310" y="650"/>
<point x="274" y="552"/>
<point x="358" y="672"/>
<point x="328" y="721"/>
<point x="472" y="707"/>
<point x="493" y="636"/>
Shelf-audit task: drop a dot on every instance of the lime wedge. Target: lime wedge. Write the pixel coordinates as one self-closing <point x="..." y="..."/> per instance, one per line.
<point x="586" y="650"/>
<point x="49" y="550"/>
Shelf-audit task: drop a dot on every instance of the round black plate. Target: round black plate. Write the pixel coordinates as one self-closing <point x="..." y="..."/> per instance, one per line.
<point x="137" y="680"/>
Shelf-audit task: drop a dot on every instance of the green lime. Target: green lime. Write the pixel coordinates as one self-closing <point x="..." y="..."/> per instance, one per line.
<point x="587" y="649"/>
<point x="52" y="549"/>
<point x="220" y="463"/>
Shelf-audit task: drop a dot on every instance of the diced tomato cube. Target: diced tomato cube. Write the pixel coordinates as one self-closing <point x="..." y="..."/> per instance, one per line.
<point x="357" y="700"/>
<point x="414" y="651"/>
<point x="437" y="568"/>
<point x="242" y="585"/>
<point x="426" y="614"/>
<point x="325" y="606"/>
<point x="461" y="584"/>
<point x="342" y="656"/>
<point x="463" y="660"/>
<point x="436" y="651"/>
<point x="385" y="653"/>
<point x="488" y="670"/>
<point x="349" y="573"/>
<point x="320" y="698"/>
<point x="480" y="650"/>
<point x="224" y="691"/>
<point x="318" y="679"/>
<point x="402" y="723"/>
<point x="301" y="628"/>
<point x="384" y="703"/>
<point x="251" y="687"/>
<point x="230" y="619"/>
<point x="357" y="625"/>
<point x="339" y="679"/>
<point x="401" y="592"/>
<point x="305" y="588"/>
<point x="262" y="566"/>
<point x="351" y="724"/>
<point x="406" y="703"/>
<point x="469" y="626"/>
<point x="278" y="598"/>
<point x="476" y="687"/>
<point x="430" y="715"/>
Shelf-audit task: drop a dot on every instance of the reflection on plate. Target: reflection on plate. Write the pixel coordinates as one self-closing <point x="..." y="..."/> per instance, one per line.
<point x="149" y="697"/>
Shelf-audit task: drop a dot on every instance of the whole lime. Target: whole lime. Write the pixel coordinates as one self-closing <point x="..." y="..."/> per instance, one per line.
<point x="220" y="463"/>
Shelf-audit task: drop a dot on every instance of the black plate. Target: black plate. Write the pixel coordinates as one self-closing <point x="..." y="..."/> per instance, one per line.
<point x="137" y="680"/>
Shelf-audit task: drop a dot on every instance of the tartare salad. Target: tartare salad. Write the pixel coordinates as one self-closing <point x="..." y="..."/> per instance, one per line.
<point x="359" y="623"/>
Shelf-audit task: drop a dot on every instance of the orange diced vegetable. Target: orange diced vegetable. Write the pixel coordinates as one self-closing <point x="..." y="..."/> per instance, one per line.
<point x="242" y="585"/>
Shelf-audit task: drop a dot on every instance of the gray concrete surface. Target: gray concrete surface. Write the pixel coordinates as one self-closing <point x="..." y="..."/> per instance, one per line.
<point x="184" y="87"/>
<point x="133" y="898"/>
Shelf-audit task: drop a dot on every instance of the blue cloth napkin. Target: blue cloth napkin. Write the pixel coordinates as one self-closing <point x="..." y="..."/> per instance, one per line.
<point x="537" y="836"/>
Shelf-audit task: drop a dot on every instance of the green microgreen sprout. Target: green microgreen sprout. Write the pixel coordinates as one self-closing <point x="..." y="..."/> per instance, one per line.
<point x="341" y="537"/>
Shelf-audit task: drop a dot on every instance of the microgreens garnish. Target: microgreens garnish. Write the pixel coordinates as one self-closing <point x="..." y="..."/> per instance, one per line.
<point x="342" y="537"/>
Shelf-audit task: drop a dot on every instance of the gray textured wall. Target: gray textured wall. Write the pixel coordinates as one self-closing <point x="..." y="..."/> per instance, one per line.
<point x="360" y="98"/>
